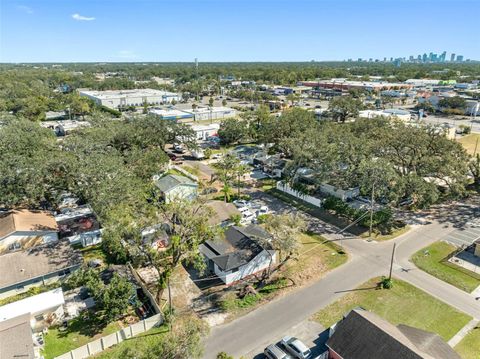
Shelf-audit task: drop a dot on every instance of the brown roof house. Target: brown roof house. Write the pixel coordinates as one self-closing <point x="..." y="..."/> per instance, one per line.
<point x="25" y="229"/>
<point x="364" y="335"/>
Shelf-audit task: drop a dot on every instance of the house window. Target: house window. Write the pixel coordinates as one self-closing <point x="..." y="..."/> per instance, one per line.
<point x="14" y="246"/>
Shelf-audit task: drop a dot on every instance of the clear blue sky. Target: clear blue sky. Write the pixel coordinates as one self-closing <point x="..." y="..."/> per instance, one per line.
<point x="234" y="30"/>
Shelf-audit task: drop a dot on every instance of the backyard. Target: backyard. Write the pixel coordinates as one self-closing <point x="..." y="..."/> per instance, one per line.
<point x="403" y="303"/>
<point x="432" y="260"/>
<point x="148" y="339"/>
<point x="80" y="331"/>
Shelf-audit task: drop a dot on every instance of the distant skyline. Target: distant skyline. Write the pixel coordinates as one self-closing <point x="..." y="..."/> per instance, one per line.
<point x="234" y="30"/>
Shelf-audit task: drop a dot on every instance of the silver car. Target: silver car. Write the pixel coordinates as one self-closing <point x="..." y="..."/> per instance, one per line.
<point x="274" y="352"/>
<point x="296" y="348"/>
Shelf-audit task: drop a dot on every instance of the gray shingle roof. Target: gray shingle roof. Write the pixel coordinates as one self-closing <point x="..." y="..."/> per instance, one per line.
<point x="169" y="182"/>
<point x="20" y="266"/>
<point x="364" y="335"/>
<point x="238" y="247"/>
<point x="16" y="338"/>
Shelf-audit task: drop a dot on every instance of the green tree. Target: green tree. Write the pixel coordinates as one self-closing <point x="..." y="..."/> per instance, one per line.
<point x="284" y="230"/>
<point x="224" y="102"/>
<point x="228" y="169"/>
<point x="185" y="227"/>
<point x="344" y="107"/>
<point x="210" y="102"/>
<point x="233" y="131"/>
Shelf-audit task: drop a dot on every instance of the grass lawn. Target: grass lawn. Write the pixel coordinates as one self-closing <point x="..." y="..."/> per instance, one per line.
<point x="385" y="237"/>
<point x="29" y="293"/>
<point x="316" y="257"/>
<point x="148" y="339"/>
<point x="94" y="252"/>
<point x="403" y="303"/>
<point x="434" y="264"/>
<point x="469" y="142"/>
<point x="469" y="347"/>
<point x="80" y="331"/>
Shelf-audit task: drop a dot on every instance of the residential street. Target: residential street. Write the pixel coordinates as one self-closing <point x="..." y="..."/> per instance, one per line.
<point x="250" y="334"/>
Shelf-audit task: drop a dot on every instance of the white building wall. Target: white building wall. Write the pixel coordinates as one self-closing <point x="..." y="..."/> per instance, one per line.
<point x="340" y="193"/>
<point x="259" y="263"/>
<point x="181" y="192"/>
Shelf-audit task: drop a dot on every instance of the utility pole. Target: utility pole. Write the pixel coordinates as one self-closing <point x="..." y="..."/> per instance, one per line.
<point x="391" y="261"/>
<point x="476" y="145"/>
<point x="371" y="210"/>
<point x="170" y="319"/>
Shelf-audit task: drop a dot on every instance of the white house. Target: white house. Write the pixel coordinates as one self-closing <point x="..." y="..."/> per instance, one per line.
<point x="343" y="194"/>
<point x="202" y="132"/>
<point x="44" y="309"/>
<point x="238" y="254"/>
<point x="24" y="229"/>
<point x="176" y="187"/>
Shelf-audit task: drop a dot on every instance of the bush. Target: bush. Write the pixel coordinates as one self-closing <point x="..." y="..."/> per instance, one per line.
<point x="386" y="283"/>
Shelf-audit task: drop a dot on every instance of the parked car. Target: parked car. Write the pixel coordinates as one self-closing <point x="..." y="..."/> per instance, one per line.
<point x="274" y="352"/>
<point x="296" y="348"/>
<point x="247" y="217"/>
<point x="239" y="203"/>
<point x="263" y="210"/>
<point x="209" y="190"/>
<point x="178" y="148"/>
<point x="243" y="209"/>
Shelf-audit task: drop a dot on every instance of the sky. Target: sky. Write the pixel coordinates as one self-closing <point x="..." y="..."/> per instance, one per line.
<point x="234" y="30"/>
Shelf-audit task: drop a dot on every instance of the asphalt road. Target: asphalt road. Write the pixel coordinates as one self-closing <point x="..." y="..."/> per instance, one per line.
<point x="249" y="334"/>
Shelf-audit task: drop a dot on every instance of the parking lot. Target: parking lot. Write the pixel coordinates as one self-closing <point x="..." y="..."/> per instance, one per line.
<point x="464" y="237"/>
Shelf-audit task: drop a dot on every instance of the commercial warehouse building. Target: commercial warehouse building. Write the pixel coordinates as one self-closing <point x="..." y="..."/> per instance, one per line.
<point x="212" y="113"/>
<point x="171" y="114"/>
<point x="345" y="85"/>
<point x="124" y="98"/>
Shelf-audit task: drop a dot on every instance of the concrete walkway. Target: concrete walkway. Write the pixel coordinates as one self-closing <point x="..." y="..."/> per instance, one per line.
<point x="457" y="338"/>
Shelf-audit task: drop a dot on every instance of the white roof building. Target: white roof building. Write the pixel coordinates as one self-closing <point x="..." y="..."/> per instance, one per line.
<point x="137" y="97"/>
<point x="36" y="305"/>
<point x="212" y="113"/>
<point x="171" y="114"/>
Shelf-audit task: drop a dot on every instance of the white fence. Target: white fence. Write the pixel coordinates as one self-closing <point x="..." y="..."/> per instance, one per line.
<point x="108" y="341"/>
<point x="304" y="197"/>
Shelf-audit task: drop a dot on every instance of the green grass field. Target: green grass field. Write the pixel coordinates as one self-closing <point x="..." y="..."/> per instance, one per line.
<point x="469" y="347"/>
<point x="403" y="303"/>
<point x="434" y="264"/>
